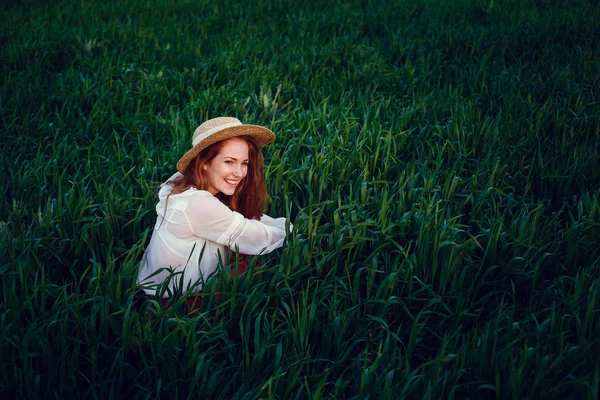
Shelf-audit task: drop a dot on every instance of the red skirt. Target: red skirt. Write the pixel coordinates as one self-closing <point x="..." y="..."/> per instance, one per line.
<point x="192" y="304"/>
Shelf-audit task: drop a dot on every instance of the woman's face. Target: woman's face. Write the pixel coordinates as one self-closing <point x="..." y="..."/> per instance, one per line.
<point x="228" y="168"/>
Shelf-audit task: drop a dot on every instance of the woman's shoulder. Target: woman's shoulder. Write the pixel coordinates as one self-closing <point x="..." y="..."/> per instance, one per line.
<point x="190" y="193"/>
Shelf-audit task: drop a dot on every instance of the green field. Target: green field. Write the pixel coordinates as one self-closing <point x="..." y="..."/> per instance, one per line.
<point x="439" y="161"/>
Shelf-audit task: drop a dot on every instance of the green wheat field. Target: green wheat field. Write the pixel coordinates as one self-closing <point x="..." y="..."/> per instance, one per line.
<point x="440" y="162"/>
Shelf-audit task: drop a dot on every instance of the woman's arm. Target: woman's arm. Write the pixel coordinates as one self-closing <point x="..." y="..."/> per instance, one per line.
<point x="274" y="222"/>
<point x="212" y="220"/>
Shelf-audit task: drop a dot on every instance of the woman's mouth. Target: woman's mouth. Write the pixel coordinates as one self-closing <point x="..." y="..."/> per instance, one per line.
<point x="231" y="182"/>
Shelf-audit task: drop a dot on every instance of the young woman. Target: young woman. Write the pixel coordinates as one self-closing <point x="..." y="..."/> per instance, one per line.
<point x="211" y="207"/>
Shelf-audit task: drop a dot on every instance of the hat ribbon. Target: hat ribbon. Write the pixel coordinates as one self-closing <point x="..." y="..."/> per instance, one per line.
<point x="209" y="132"/>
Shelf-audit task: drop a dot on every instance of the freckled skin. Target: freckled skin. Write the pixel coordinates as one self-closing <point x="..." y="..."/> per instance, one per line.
<point x="228" y="168"/>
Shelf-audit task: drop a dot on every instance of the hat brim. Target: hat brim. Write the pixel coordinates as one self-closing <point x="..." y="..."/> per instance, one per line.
<point x="260" y="134"/>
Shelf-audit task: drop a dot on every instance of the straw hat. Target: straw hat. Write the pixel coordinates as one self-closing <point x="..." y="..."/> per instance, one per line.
<point x="221" y="128"/>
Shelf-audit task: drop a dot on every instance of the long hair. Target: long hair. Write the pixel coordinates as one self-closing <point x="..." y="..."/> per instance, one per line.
<point x="250" y="194"/>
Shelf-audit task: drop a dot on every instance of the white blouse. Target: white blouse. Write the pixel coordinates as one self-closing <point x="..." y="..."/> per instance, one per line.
<point x="198" y="223"/>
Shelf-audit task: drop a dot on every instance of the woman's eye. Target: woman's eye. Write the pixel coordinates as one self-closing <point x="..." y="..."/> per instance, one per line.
<point x="229" y="162"/>
<point x="245" y="163"/>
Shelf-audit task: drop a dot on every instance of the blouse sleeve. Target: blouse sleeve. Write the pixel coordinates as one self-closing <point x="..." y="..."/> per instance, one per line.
<point x="275" y="222"/>
<point x="212" y="220"/>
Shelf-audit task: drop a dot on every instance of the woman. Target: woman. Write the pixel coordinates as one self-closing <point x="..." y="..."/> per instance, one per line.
<point x="212" y="206"/>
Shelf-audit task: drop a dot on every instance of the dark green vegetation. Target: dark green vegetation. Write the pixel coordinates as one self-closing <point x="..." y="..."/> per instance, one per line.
<point x="439" y="160"/>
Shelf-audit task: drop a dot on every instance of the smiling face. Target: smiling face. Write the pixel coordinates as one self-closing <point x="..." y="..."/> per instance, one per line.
<point x="228" y="168"/>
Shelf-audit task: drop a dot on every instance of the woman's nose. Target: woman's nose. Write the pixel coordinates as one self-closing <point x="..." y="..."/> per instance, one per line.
<point x="237" y="170"/>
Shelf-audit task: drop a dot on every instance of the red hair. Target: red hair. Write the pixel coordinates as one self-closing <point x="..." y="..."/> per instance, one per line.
<point x="250" y="194"/>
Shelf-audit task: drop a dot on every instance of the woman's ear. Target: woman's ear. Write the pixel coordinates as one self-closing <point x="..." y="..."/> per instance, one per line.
<point x="204" y="166"/>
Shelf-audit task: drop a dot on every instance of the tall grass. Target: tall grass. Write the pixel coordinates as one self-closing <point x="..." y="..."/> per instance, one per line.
<point x="439" y="161"/>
